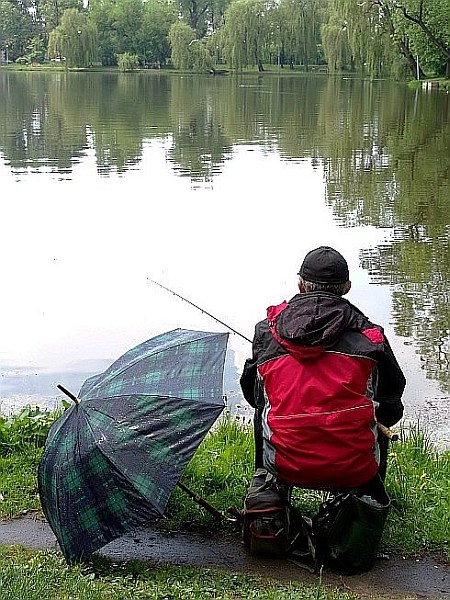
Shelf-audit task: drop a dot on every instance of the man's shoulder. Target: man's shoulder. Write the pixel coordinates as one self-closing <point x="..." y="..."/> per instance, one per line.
<point x="368" y="340"/>
<point x="262" y="327"/>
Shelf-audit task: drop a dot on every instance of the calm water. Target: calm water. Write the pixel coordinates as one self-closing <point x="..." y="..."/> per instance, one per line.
<point x="216" y="187"/>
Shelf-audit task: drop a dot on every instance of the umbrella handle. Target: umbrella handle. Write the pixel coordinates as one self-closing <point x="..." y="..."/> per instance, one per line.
<point x="71" y="396"/>
<point x="209" y="507"/>
<point x="387" y="432"/>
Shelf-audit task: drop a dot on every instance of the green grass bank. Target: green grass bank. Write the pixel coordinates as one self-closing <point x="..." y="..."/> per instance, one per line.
<point x="435" y="83"/>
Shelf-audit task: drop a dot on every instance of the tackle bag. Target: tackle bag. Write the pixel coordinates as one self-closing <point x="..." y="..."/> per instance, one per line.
<point x="267" y="522"/>
<point x="347" y="531"/>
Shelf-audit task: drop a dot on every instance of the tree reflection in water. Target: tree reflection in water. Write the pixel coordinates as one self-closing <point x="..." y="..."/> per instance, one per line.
<point x="382" y="148"/>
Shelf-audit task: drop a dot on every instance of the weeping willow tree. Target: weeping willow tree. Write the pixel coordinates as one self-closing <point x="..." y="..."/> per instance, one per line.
<point x="335" y="43"/>
<point x="246" y="33"/>
<point x="188" y="52"/>
<point x="367" y="37"/>
<point x="180" y="38"/>
<point x="75" y="39"/>
<point x="352" y="38"/>
<point x="298" y="26"/>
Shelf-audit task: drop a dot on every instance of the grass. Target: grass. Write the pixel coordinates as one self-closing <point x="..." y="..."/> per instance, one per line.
<point x="418" y="483"/>
<point x="443" y="83"/>
<point x="61" y="67"/>
<point x="18" y="484"/>
<point x="269" y="69"/>
<point x="22" y="437"/>
<point x="32" y="575"/>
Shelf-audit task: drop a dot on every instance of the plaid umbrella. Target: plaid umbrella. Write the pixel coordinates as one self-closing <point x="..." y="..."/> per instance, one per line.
<point x="112" y="459"/>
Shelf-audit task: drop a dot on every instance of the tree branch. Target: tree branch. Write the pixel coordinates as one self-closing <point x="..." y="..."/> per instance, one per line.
<point x="418" y="20"/>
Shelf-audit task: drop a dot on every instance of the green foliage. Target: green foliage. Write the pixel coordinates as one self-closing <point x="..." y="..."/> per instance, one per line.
<point x="194" y="13"/>
<point x="181" y="38"/>
<point x="377" y="38"/>
<point x="16" y="28"/>
<point x="127" y="62"/>
<point x="22" y="439"/>
<point x="75" y="39"/>
<point x="32" y="575"/>
<point x="102" y="15"/>
<point x="202" y="16"/>
<point x="418" y="483"/>
<point x="18" y="482"/>
<point x="385" y="34"/>
<point x="188" y="52"/>
<point x="35" y="52"/>
<point x="297" y="25"/>
<point x="358" y="36"/>
<point x="126" y="18"/>
<point x="335" y="43"/>
<point x="154" y="44"/>
<point x="201" y="58"/>
<point x="133" y="27"/>
<point x="426" y="25"/>
<point x="51" y="12"/>
<point x="28" y="428"/>
<point x="246" y="34"/>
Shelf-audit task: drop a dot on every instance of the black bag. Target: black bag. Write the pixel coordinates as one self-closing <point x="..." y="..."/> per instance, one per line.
<point x="266" y="533"/>
<point x="347" y="531"/>
<point x="267" y="517"/>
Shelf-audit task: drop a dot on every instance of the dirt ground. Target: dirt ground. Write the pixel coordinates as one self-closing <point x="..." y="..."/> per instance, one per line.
<point x="392" y="577"/>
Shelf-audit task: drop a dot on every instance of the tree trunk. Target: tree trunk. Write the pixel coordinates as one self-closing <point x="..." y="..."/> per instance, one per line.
<point x="418" y="20"/>
<point x="415" y="69"/>
<point x="403" y="46"/>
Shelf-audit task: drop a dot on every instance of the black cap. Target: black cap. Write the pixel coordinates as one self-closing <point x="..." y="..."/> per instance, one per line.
<point x="324" y="265"/>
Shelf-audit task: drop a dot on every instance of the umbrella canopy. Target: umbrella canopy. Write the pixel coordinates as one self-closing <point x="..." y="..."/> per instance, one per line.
<point x="112" y="460"/>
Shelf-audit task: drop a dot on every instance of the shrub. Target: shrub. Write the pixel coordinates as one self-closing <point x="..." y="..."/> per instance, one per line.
<point x="27" y="428"/>
<point x="127" y="62"/>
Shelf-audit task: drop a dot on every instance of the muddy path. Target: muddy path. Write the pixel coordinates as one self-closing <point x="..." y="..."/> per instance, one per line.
<point x="391" y="578"/>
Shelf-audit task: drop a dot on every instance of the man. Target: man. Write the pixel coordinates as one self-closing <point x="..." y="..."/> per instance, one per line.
<point x="320" y="378"/>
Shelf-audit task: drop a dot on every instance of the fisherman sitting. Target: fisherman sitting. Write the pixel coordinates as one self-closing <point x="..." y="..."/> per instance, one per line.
<point x="320" y="379"/>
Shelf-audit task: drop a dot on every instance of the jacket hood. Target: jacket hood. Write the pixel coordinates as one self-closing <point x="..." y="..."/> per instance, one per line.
<point x="317" y="319"/>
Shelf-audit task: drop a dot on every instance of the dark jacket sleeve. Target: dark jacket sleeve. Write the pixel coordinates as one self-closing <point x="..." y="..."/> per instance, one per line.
<point x="250" y="385"/>
<point x="389" y="389"/>
<point x="248" y="381"/>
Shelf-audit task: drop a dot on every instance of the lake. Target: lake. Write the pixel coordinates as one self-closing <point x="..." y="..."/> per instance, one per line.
<point x="216" y="187"/>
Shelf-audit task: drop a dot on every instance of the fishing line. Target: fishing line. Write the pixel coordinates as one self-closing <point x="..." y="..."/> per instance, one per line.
<point x="383" y="429"/>
<point x="199" y="308"/>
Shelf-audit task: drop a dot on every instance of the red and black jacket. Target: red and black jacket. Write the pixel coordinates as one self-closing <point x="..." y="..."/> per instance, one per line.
<point x="323" y="375"/>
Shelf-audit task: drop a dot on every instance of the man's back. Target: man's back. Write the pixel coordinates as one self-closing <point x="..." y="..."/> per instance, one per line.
<point x="317" y="359"/>
<point x="320" y="377"/>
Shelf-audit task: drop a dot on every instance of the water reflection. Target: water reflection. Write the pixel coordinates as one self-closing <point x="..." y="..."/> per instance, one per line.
<point x="379" y="146"/>
<point x="418" y="271"/>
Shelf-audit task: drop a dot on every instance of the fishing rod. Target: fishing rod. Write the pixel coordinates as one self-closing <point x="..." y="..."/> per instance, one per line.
<point x="199" y="308"/>
<point x="382" y="428"/>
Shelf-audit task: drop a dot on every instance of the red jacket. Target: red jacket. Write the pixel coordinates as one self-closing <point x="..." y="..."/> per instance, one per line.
<point x="324" y="374"/>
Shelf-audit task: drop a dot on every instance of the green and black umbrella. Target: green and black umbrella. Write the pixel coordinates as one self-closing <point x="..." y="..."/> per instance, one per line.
<point x="112" y="459"/>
